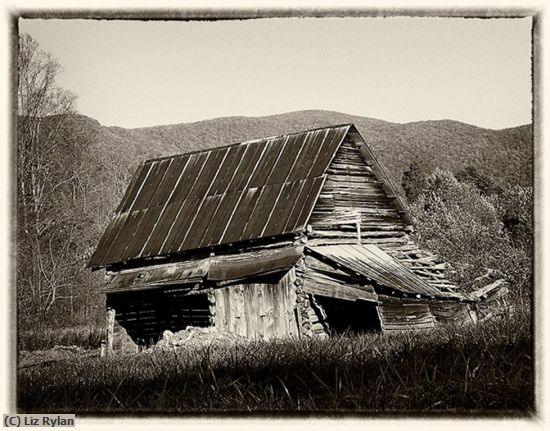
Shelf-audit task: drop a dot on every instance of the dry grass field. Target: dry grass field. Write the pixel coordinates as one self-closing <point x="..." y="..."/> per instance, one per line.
<point x="479" y="369"/>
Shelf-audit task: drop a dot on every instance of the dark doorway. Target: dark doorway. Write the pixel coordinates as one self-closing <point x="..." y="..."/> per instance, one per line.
<point x="349" y="316"/>
<point x="147" y="314"/>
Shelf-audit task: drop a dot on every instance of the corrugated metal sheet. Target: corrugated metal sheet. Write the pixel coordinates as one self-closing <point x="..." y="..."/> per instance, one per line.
<point x="370" y="261"/>
<point x="159" y="276"/>
<point x="224" y="195"/>
<point x="254" y="263"/>
<point x="216" y="268"/>
<point x="332" y="289"/>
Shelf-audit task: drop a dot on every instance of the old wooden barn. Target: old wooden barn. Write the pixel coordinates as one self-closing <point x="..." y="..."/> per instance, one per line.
<point x="296" y="235"/>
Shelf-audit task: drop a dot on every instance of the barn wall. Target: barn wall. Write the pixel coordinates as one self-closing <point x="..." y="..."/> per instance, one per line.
<point x="404" y="313"/>
<point x="351" y="193"/>
<point x="447" y="312"/>
<point x="407" y="313"/>
<point x="258" y="310"/>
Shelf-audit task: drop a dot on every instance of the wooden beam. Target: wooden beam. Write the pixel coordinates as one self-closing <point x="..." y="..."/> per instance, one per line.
<point x="110" y="330"/>
<point x="338" y="291"/>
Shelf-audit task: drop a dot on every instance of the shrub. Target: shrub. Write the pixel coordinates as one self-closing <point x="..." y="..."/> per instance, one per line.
<point x="464" y="227"/>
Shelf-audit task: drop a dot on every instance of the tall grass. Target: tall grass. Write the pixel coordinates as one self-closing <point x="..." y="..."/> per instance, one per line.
<point x="484" y="368"/>
<point x="86" y="337"/>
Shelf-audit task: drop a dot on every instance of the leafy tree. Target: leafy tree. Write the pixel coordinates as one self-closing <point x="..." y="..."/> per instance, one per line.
<point x="514" y="206"/>
<point x="485" y="184"/>
<point x="413" y="180"/>
<point x="455" y="220"/>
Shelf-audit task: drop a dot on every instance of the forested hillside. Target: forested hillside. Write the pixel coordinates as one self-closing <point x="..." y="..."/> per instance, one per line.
<point x="445" y="144"/>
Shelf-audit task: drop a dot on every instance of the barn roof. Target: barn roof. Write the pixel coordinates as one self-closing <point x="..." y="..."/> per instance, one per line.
<point x="372" y="262"/>
<point x="364" y="260"/>
<point x="224" y="195"/>
<point x="216" y="268"/>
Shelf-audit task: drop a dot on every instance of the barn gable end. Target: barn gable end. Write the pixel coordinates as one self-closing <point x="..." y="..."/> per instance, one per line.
<point x="358" y="205"/>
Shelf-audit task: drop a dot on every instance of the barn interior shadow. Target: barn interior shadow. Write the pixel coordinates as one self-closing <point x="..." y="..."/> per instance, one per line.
<point x="342" y="316"/>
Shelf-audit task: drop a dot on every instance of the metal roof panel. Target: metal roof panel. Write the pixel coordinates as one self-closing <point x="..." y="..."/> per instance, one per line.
<point x="378" y="266"/>
<point x="179" y="203"/>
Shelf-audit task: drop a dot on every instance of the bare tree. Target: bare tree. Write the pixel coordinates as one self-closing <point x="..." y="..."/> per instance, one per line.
<point x="49" y="183"/>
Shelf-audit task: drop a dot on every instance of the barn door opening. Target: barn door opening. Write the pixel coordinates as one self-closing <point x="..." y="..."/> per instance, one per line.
<point x="349" y="316"/>
<point x="145" y="315"/>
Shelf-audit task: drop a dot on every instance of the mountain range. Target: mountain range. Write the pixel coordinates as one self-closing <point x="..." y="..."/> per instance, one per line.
<point x="506" y="155"/>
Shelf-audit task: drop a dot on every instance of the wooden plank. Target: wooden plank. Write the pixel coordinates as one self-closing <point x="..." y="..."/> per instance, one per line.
<point x="266" y="314"/>
<point x="277" y="314"/>
<point x="267" y="163"/>
<point x="262" y="310"/>
<point x="209" y="173"/>
<point x="337" y="291"/>
<point x="253" y="263"/>
<point x="303" y="165"/>
<point x="257" y="303"/>
<point x="268" y="310"/>
<point x="234" y="300"/>
<point x="230" y="167"/>
<point x="286" y="304"/>
<point x="254" y="312"/>
<point x="240" y="307"/>
<point x="488" y="289"/>
<point x="229" y="313"/>
<point x="203" y="218"/>
<point x="220" y="318"/>
<point x="317" y="265"/>
<point x="291" y="295"/>
<point x="110" y="330"/>
<point x="283" y="310"/>
<point x="404" y="313"/>
<point x="450" y="312"/>
<point x="294" y="323"/>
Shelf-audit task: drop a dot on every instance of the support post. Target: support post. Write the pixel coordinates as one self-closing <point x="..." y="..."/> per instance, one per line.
<point x="212" y="307"/>
<point x="110" y="330"/>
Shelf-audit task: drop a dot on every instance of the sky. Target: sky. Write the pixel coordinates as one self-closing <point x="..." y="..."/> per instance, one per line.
<point x="140" y="73"/>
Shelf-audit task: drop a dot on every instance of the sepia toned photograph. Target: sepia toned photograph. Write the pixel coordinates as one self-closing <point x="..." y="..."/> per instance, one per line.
<point x="249" y="213"/>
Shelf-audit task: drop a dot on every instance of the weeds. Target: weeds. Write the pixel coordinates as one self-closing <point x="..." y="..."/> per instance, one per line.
<point x="86" y="337"/>
<point x="483" y="368"/>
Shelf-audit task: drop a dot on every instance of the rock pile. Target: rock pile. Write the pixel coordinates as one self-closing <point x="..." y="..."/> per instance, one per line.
<point x="195" y="336"/>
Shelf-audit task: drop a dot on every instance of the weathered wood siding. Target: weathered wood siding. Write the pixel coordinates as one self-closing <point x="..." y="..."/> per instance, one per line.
<point x="408" y="313"/>
<point x="450" y="312"/>
<point x="352" y="193"/>
<point x="404" y="313"/>
<point x="258" y="310"/>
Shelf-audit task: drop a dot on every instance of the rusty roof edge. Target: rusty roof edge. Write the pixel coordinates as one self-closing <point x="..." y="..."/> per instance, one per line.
<point x="251" y="141"/>
<point x="189" y="260"/>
